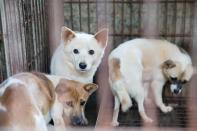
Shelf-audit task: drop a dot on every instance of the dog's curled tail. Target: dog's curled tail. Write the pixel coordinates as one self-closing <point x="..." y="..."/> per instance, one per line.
<point x="117" y="84"/>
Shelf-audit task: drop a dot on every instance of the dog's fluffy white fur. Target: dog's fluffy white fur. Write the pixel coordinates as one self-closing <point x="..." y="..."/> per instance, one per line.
<point x="137" y="64"/>
<point x="79" y="54"/>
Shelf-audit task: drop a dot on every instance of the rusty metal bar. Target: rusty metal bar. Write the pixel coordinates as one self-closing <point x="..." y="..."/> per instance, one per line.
<point x="149" y="21"/>
<point x="104" y="92"/>
<point x="55" y="21"/>
<point x="192" y="108"/>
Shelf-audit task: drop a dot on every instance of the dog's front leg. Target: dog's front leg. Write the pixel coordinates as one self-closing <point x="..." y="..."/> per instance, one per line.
<point x="157" y="87"/>
<point x="85" y="122"/>
<point x="59" y="124"/>
<point x="140" y="101"/>
<point x="57" y="116"/>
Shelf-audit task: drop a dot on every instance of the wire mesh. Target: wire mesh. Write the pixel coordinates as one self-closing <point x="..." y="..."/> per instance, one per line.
<point x="128" y="19"/>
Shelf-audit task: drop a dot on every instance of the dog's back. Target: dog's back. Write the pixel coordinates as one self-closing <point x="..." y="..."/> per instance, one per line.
<point x="25" y="101"/>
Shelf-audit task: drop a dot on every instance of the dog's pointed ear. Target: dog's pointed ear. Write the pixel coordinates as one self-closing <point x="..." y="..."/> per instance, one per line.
<point x="67" y="34"/>
<point x="102" y="37"/>
<point x="168" y="64"/>
<point x="90" y="88"/>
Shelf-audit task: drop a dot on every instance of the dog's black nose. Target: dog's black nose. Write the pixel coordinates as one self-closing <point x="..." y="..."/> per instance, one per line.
<point x="176" y="91"/>
<point x="82" y="65"/>
<point x="76" y="121"/>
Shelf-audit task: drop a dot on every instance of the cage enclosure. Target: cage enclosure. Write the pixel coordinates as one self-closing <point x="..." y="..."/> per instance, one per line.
<point x="24" y="46"/>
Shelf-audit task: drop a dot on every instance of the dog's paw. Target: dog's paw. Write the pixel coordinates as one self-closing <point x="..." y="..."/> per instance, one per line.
<point x="148" y="120"/>
<point x="115" y="123"/>
<point x="85" y="122"/>
<point x="125" y="105"/>
<point x="166" y="109"/>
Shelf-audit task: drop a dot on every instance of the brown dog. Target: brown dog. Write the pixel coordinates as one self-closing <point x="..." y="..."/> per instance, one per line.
<point x="28" y="101"/>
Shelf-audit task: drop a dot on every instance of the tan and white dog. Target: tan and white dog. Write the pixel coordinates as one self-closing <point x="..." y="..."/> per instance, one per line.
<point x="137" y="64"/>
<point x="28" y="101"/>
<point x="79" y="54"/>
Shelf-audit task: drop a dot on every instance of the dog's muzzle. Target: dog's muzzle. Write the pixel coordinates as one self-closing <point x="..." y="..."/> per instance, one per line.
<point x="176" y="88"/>
<point x="82" y="65"/>
<point x="78" y="121"/>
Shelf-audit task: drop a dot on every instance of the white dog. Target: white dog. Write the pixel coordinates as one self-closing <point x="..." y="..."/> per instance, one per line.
<point x="137" y="64"/>
<point x="79" y="54"/>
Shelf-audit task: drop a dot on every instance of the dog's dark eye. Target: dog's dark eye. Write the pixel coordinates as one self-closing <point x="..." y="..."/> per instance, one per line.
<point x="173" y="78"/>
<point x="69" y="103"/>
<point x="184" y="81"/>
<point x="91" y="52"/>
<point x="76" y="51"/>
<point x="82" y="103"/>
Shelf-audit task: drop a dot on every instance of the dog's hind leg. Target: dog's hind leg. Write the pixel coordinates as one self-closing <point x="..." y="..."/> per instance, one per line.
<point x="123" y="95"/>
<point x="116" y="111"/>
<point x="140" y="101"/>
<point x="120" y="97"/>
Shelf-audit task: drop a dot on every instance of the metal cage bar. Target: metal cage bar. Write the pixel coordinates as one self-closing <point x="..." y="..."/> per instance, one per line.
<point x="24" y="36"/>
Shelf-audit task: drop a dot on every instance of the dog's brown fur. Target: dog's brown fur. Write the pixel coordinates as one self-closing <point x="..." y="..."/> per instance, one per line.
<point x="115" y="69"/>
<point x="17" y="104"/>
<point x="20" y="108"/>
<point x="75" y="93"/>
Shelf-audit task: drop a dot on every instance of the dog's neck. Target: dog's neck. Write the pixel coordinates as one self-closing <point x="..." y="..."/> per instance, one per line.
<point x="55" y="79"/>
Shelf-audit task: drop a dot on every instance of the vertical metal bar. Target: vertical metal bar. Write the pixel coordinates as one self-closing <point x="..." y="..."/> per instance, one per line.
<point x="41" y="36"/>
<point x="21" y="19"/>
<point x="40" y="53"/>
<point x="55" y="22"/>
<point x="29" y="48"/>
<point x="17" y="36"/>
<point x="80" y="15"/>
<point x="44" y="46"/>
<point x="34" y="31"/>
<point x="174" y="21"/>
<point x="131" y="23"/>
<point x="104" y="92"/>
<point x="105" y="12"/>
<point x="183" y="21"/>
<point x="122" y="20"/>
<point x="192" y="108"/>
<point x="88" y="15"/>
<point x="166" y="20"/>
<point x="25" y="45"/>
<point x="5" y="35"/>
<point x="39" y="44"/>
<point x="97" y="4"/>
<point x="114" y="21"/>
<point x="140" y="16"/>
<point x="150" y="30"/>
<point x="71" y="11"/>
<point x="46" y="35"/>
<point x="192" y="15"/>
<point x="13" y="52"/>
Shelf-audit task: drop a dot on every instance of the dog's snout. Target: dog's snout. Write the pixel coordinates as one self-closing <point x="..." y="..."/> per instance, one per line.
<point x="76" y="120"/>
<point x="82" y="65"/>
<point x="176" y="91"/>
